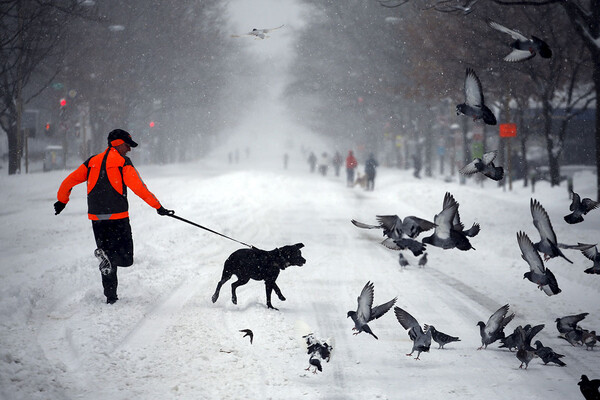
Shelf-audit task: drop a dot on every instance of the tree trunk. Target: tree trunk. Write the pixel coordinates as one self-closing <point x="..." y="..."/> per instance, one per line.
<point x="553" y="166"/>
<point x="597" y="85"/>
<point x="14" y="153"/>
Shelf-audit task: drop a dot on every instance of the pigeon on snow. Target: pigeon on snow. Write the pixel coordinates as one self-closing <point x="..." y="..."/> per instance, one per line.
<point x="523" y="47"/>
<point x="440" y="338"/>
<point x="494" y="329"/>
<point x="423" y="260"/>
<point x="258" y="33"/>
<point x="447" y="235"/>
<point x="524" y="354"/>
<point x="421" y="340"/>
<point x="590" y="389"/>
<point x="548" y="355"/>
<point x="484" y="165"/>
<point x="365" y="311"/>
<point x="589" y="339"/>
<point x="538" y="273"/>
<point x="474" y="105"/>
<point x="593" y="254"/>
<point x="579" y="208"/>
<point x="569" y="323"/>
<point x="516" y="339"/>
<point x="313" y="361"/>
<point x="402" y="260"/>
<point x="396" y="229"/>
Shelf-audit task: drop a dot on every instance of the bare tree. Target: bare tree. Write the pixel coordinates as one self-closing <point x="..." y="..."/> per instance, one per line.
<point x="30" y="31"/>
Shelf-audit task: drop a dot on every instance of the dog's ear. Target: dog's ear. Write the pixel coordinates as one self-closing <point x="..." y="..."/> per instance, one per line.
<point x="299" y="245"/>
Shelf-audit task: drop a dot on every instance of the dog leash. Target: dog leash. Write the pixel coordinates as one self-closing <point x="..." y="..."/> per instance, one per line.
<point x="207" y="229"/>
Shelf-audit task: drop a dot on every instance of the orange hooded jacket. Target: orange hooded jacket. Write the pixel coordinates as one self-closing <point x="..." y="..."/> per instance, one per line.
<point x="108" y="176"/>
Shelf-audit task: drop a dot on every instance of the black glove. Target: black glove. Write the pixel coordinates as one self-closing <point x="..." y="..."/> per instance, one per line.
<point x="58" y="207"/>
<point x="164" y="211"/>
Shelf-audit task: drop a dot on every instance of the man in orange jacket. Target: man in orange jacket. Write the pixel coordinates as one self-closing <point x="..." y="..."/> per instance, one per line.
<point x="108" y="176"/>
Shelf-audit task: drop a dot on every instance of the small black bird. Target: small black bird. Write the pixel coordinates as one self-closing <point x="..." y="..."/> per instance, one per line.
<point x="440" y="338"/>
<point x="248" y="332"/>
<point x="548" y="355"/>
<point x="523" y="47"/>
<point x="474" y="105"/>
<point x="589" y="389"/>
<point x="580" y="208"/>
<point x="484" y="165"/>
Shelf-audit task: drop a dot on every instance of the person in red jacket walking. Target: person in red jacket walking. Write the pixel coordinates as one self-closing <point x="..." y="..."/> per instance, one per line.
<point x="351" y="165"/>
<point x="108" y="175"/>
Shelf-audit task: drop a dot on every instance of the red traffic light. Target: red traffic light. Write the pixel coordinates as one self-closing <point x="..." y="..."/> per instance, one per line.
<point x="63" y="102"/>
<point x="151" y="124"/>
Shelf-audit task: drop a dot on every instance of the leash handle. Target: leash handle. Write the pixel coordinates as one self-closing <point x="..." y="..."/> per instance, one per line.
<point x="207" y="229"/>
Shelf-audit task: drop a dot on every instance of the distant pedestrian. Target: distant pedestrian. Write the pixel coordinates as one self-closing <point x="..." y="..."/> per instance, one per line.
<point x="312" y="161"/>
<point x="337" y="162"/>
<point x="370" y="170"/>
<point x="417" y="164"/>
<point x="286" y="158"/>
<point x="351" y="165"/>
<point x="324" y="164"/>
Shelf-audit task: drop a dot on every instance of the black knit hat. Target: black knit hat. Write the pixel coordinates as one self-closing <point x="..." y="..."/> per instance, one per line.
<point x="123" y="135"/>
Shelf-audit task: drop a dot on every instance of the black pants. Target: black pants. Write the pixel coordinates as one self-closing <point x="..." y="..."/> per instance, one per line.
<point x="114" y="237"/>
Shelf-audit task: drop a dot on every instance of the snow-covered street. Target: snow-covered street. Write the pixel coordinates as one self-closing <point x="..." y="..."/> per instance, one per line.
<point x="164" y="338"/>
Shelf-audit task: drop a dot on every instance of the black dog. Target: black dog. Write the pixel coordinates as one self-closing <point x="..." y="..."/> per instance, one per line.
<point x="260" y="265"/>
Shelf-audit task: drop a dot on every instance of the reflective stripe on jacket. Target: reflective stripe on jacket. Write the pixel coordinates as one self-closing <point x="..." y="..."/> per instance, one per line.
<point x="108" y="176"/>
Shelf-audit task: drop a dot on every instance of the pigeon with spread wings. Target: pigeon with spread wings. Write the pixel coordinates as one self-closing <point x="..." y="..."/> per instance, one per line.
<point x="365" y="311"/>
<point x="474" y="105"/>
<point x="523" y="48"/>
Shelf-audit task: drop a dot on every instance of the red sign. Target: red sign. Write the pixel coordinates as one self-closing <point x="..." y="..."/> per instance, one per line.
<point x="508" y="130"/>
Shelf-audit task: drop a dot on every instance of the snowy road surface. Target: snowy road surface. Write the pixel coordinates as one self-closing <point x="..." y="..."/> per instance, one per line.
<point x="164" y="338"/>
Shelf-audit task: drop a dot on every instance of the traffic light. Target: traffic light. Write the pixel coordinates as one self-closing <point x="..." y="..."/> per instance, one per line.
<point x="49" y="129"/>
<point x="151" y="124"/>
<point x="63" y="102"/>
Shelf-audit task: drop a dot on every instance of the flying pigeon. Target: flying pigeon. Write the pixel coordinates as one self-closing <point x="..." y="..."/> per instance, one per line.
<point x="547" y="244"/>
<point x="457" y="225"/>
<point x="421" y="340"/>
<point x="567" y="324"/>
<point x="548" y="355"/>
<point x="396" y="229"/>
<point x="474" y="105"/>
<point x="590" y="389"/>
<point x="592" y="253"/>
<point x="579" y="208"/>
<point x="523" y="48"/>
<point x="423" y="260"/>
<point x="248" y="332"/>
<point x="440" y="338"/>
<point x="494" y="329"/>
<point x="445" y="234"/>
<point x="402" y="260"/>
<point x="538" y="273"/>
<point x="365" y="311"/>
<point x="484" y="165"/>
<point x="258" y="33"/>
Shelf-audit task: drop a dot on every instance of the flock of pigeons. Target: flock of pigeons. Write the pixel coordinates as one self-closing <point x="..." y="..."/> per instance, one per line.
<point x="448" y="233"/>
